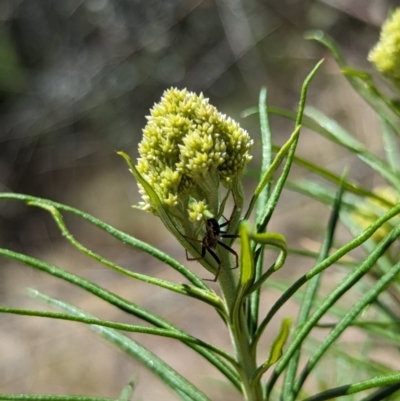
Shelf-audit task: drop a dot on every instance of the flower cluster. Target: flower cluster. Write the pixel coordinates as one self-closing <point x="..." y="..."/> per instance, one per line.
<point x="188" y="149"/>
<point x="386" y="54"/>
<point x="197" y="210"/>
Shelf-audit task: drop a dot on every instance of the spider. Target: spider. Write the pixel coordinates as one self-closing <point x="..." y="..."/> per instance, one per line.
<point x="210" y="241"/>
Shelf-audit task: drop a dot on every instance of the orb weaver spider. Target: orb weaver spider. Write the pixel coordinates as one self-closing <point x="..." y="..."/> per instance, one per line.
<point x="211" y="239"/>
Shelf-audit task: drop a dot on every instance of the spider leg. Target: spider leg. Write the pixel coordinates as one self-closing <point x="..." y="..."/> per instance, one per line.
<point x="203" y="253"/>
<point x="223" y="235"/>
<point x="193" y="239"/>
<point x="218" y="260"/>
<point x="203" y="250"/>
<point x="229" y="249"/>
<point x="226" y="222"/>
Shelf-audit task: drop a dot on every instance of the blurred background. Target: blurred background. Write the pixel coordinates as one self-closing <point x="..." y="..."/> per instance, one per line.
<point x="77" y="79"/>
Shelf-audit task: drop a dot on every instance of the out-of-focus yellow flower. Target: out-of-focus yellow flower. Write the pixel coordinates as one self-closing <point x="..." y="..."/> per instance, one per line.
<point x="385" y="56"/>
<point x="188" y="149"/>
<point x="371" y="209"/>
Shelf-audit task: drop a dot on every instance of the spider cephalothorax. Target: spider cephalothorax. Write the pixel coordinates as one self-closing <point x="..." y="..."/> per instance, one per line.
<point x="211" y="239"/>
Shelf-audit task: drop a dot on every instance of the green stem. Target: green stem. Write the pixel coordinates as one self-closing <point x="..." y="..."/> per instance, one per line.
<point x="252" y="391"/>
<point x="238" y="330"/>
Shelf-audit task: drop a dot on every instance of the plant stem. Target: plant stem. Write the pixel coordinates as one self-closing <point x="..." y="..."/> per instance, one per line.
<point x="238" y="331"/>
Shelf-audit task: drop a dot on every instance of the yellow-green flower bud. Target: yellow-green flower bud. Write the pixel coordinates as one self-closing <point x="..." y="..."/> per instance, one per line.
<point x="188" y="149"/>
<point x="198" y="210"/>
<point x="385" y="56"/>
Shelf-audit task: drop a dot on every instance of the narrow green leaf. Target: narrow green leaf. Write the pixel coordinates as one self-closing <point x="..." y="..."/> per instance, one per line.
<point x="119" y="326"/>
<point x="314" y="255"/>
<point x="332" y="130"/>
<point x="316" y="190"/>
<point x="352" y="278"/>
<point x="378" y="330"/>
<point x="277" y="162"/>
<point x="336" y="179"/>
<point x="163" y="371"/>
<point x="341" y="326"/>
<point x="383" y="393"/>
<point x="250" y="111"/>
<point x="310" y="294"/>
<point x="390" y="145"/>
<point x="304" y="89"/>
<point x="123" y="305"/>
<point x="120" y="235"/>
<point x="329" y="176"/>
<point x="273" y="200"/>
<point x="279" y="342"/>
<point x="208" y="297"/>
<point x="360" y="239"/>
<point x="378" y="381"/>
<point x="365" y="324"/>
<point x="266" y="160"/>
<point x="51" y="397"/>
<point x="127" y="391"/>
<point x="361" y="86"/>
<point x="385" y="263"/>
<point x="247" y="271"/>
<point x="274" y="240"/>
<point x="266" y="148"/>
<point x="266" y="178"/>
<point x="366" y="79"/>
<point x="246" y="258"/>
<point x="276" y="349"/>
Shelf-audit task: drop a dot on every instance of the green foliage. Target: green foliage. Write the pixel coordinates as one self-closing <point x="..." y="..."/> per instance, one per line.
<point x="374" y="278"/>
